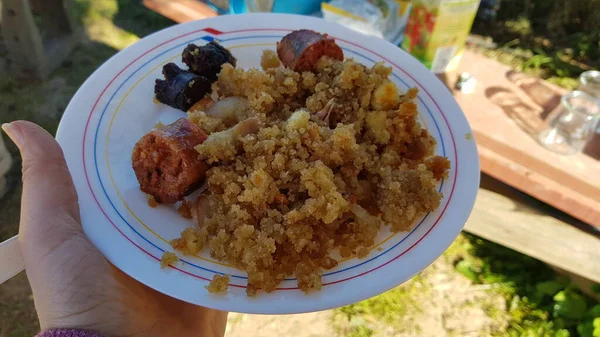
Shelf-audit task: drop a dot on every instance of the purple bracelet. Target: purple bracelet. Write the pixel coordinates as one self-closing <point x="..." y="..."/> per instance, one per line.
<point x="68" y="333"/>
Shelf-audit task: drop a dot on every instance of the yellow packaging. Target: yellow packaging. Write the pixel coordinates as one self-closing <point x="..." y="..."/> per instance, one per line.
<point x="437" y="31"/>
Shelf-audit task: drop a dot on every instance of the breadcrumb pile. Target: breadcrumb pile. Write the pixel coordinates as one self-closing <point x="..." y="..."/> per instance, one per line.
<point x="339" y="154"/>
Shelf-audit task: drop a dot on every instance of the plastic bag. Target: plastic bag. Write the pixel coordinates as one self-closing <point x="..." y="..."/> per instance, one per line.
<point x="385" y="19"/>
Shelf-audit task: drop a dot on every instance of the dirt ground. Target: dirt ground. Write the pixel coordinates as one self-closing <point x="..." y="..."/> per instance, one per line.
<point x="441" y="303"/>
<point x="306" y="325"/>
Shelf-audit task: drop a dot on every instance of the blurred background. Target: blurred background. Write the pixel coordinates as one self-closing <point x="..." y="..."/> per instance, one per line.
<point x="545" y="284"/>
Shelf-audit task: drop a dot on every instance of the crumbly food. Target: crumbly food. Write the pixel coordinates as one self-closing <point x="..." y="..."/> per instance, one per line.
<point x="219" y="284"/>
<point x="269" y="59"/>
<point x="339" y="155"/>
<point x="168" y="259"/>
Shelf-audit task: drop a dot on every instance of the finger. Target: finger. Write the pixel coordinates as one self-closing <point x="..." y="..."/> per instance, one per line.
<point x="49" y="208"/>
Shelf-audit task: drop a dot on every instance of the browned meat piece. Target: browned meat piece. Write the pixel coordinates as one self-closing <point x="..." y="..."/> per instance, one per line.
<point x="166" y="164"/>
<point x="207" y="60"/>
<point x="181" y="89"/>
<point x="301" y="49"/>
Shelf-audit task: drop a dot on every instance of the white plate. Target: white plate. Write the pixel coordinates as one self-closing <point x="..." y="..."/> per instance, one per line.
<point x="114" y="109"/>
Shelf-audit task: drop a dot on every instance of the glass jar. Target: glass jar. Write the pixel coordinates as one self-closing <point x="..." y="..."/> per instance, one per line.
<point x="589" y="82"/>
<point x="572" y="124"/>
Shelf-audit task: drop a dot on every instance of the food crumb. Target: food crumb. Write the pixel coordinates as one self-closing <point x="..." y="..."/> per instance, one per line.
<point x="152" y="202"/>
<point x="439" y="166"/>
<point x="362" y="252"/>
<point x="468" y="136"/>
<point x="184" y="210"/>
<point x="219" y="284"/>
<point x="158" y="125"/>
<point x="191" y="242"/>
<point x="168" y="259"/>
<point x="269" y="60"/>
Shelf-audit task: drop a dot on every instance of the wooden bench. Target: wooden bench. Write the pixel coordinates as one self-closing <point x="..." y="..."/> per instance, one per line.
<point x="506" y="112"/>
<point x="503" y="214"/>
<point x="511" y="218"/>
<point x="181" y="10"/>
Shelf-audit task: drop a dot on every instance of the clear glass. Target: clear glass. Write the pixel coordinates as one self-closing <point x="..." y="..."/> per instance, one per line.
<point x="259" y="5"/>
<point x="572" y="124"/>
<point x="589" y="82"/>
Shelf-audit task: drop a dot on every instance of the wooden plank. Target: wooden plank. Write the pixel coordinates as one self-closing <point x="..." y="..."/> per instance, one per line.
<point x="506" y="111"/>
<point x="517" y="221"/>
<point x="585" y="285"/>
<point x="537" y="185"/>
<point x="181" y="10"/>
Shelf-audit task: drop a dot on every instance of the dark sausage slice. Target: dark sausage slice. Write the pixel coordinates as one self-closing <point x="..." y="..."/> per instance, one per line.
<point x="300" y="50"/>
<point x="166" y="164"/>
<point x="207" y="60"/>
<point x="181" y="89"/>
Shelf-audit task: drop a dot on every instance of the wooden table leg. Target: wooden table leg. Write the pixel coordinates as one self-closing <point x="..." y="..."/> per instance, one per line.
<point x="22" y="37"/>
<point x="34" y="55"/>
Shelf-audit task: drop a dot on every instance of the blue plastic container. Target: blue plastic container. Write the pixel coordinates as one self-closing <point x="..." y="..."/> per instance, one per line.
<point x="302" y="7"/>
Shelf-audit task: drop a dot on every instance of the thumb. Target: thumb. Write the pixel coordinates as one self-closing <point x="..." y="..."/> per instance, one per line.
<point x="49" y="208"/>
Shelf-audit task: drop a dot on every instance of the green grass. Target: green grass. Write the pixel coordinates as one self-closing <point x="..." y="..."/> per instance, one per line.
<point x="551" y="39"/>
<point x="539" y="303"/>
<point x="389" y="309"/>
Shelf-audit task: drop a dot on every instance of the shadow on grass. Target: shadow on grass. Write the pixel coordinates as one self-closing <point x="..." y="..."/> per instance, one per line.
<point x="43" y="102"/>
<point x="17" y="313"/>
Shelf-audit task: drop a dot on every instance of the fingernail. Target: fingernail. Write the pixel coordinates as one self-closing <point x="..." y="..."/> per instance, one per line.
<point x="13" y="132"/>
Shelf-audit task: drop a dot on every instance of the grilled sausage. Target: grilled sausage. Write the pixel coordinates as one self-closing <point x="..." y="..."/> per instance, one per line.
<point x="181" y="89"/>
<point x="166" y="164"/>
<point x="207" y="60"/>
<point x="300" y="50"/>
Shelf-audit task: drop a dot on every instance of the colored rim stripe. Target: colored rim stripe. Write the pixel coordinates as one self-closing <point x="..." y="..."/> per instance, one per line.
<point x="187" y="34"/>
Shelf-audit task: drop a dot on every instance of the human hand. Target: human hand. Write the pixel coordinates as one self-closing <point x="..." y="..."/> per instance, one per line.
<point x="73" y="285"/>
